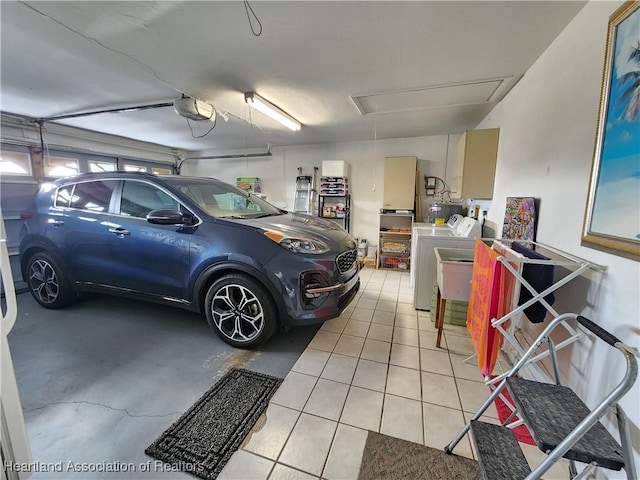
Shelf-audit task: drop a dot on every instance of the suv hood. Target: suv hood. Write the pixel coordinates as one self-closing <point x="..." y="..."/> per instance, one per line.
<point x="305" y="226"/>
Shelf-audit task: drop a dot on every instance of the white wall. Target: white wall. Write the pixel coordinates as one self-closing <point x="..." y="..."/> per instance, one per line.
<point x="547" y="130"/>
<point x="366" y="160"/>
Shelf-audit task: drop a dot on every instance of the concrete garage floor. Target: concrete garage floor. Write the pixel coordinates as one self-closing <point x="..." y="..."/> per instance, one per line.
<point x="100" y="380"/>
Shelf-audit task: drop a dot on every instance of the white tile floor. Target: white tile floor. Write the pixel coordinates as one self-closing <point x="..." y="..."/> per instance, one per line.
<point x="374" y="368"/>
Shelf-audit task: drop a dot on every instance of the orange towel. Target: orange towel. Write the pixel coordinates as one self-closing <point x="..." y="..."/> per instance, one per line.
<point x="484" y="305"/>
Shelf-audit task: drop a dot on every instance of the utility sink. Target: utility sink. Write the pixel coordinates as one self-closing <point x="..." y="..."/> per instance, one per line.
<point x="453" y="272"/>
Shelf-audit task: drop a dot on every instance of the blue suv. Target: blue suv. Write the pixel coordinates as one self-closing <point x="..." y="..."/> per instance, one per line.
<point x="195" y="243"/>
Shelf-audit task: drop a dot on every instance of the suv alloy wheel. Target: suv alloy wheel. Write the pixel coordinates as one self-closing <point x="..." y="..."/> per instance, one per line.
<point x="240" y="311"/>
<point x="47" y="282"/>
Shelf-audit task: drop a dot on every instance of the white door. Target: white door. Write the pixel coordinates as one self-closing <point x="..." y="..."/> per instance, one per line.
<point x="15" y="446"/>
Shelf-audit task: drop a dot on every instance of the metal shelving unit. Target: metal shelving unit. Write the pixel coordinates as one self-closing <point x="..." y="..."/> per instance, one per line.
<point x="342" y="216"/>
<point x="394" y="242"/>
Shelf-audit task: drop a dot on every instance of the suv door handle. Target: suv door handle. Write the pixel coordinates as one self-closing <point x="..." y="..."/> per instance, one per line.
<point x="56" y="223"/>
<point x="120" y="232"/>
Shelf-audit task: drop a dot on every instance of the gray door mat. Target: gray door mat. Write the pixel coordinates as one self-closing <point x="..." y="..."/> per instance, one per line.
<point x="202" y="440"/>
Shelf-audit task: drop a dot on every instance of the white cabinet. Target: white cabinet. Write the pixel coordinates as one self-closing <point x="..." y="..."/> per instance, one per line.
<point x="473" y="168"/>
<point x="399" y="183"/>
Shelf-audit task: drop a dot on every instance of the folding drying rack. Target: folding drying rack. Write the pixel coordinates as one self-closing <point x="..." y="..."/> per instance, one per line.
<point x="559" y="422"/>
<point x="567" y="260"/>
<point x="576" y="267"/>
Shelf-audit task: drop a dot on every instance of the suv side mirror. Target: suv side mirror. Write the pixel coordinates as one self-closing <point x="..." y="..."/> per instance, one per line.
<point x="167" y="216"/>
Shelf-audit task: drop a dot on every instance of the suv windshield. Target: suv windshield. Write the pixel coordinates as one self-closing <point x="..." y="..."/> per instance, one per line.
<point x="222" y="200"/>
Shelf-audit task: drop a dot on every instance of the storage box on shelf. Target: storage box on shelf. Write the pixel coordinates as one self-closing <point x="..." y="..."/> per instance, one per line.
<point x="394" y="246"/>
<point x="338" y="186"/>
<point x="394" y="262"/>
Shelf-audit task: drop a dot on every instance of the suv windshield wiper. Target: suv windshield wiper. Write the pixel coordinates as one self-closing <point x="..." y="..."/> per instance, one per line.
<point x="262" y="215"/>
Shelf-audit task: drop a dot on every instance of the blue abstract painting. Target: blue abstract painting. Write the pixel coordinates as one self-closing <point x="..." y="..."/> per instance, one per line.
<point x="616" y="209"/>
<point x="612" y="220"/>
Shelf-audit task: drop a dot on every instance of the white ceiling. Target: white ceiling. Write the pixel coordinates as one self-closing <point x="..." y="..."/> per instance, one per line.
<point x="311" y="58"/>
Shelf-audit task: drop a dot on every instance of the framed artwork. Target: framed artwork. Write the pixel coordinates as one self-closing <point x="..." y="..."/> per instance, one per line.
<point x="520" y="220"/>
<point x="612" y="216"/>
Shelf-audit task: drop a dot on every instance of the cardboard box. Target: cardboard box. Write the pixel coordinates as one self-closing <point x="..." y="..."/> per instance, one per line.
<point x="335" y="168"/>
<point x="369" y="262"/>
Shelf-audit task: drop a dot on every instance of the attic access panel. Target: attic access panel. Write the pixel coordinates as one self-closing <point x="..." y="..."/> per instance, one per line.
<point x="467" y="93"/>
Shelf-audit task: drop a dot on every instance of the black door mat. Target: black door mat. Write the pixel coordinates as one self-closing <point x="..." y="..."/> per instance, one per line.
<point x="390" y="458"/>
<point x="202" y="440"/>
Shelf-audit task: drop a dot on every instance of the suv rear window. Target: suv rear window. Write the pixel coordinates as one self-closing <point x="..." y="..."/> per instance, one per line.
<point x="92" y="196"/>
<point x="63" y="197"/>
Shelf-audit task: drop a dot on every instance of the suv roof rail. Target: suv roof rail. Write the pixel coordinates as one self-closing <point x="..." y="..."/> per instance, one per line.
<point x="103" y="174"/>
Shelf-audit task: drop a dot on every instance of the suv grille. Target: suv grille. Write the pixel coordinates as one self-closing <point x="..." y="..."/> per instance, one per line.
<point x="346" y="260"/>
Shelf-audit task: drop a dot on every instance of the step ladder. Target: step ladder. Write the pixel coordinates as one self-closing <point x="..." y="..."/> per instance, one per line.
<point x="559" y="422"/>
<point x="305" y="194"/>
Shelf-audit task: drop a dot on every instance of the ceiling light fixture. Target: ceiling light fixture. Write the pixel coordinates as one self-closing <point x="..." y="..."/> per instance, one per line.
<point x="256" y="101"/>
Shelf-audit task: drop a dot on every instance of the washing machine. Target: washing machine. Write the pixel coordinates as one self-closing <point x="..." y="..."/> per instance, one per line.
<point x="458" y="233"/>
<point x="423" y="228"/>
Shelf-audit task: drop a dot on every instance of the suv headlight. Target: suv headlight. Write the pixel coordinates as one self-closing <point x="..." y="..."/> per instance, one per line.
<point x="297" y="244"/>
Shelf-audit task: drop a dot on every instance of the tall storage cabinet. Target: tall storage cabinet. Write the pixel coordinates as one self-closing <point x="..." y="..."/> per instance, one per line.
<point x="474" y="165"/>
<point x="394" y="243"/>
<point x="399" y="183"/>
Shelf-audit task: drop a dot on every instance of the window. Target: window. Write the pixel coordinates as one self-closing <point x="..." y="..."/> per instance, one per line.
<point x="134" y="168"/>
<point x="64" y="195"/>
<point x="142" y="166"/>
<point x="161" y="171"/>
<point x="60" y="166"/>
<point x="93" y="196"/>
<point x="98" y="166"/>
<point x="139" y="198"/>
<point x="231" y="201"/>
<point x="15" y="163"/>
<point x="221" y="200"/>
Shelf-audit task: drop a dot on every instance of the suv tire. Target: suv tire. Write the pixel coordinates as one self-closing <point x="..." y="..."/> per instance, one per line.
<point x="240" y="311"/>
<point x="47" y="282"/>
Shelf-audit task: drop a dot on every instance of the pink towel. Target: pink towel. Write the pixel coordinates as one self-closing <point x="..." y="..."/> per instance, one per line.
<point x="510" y="286"/>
